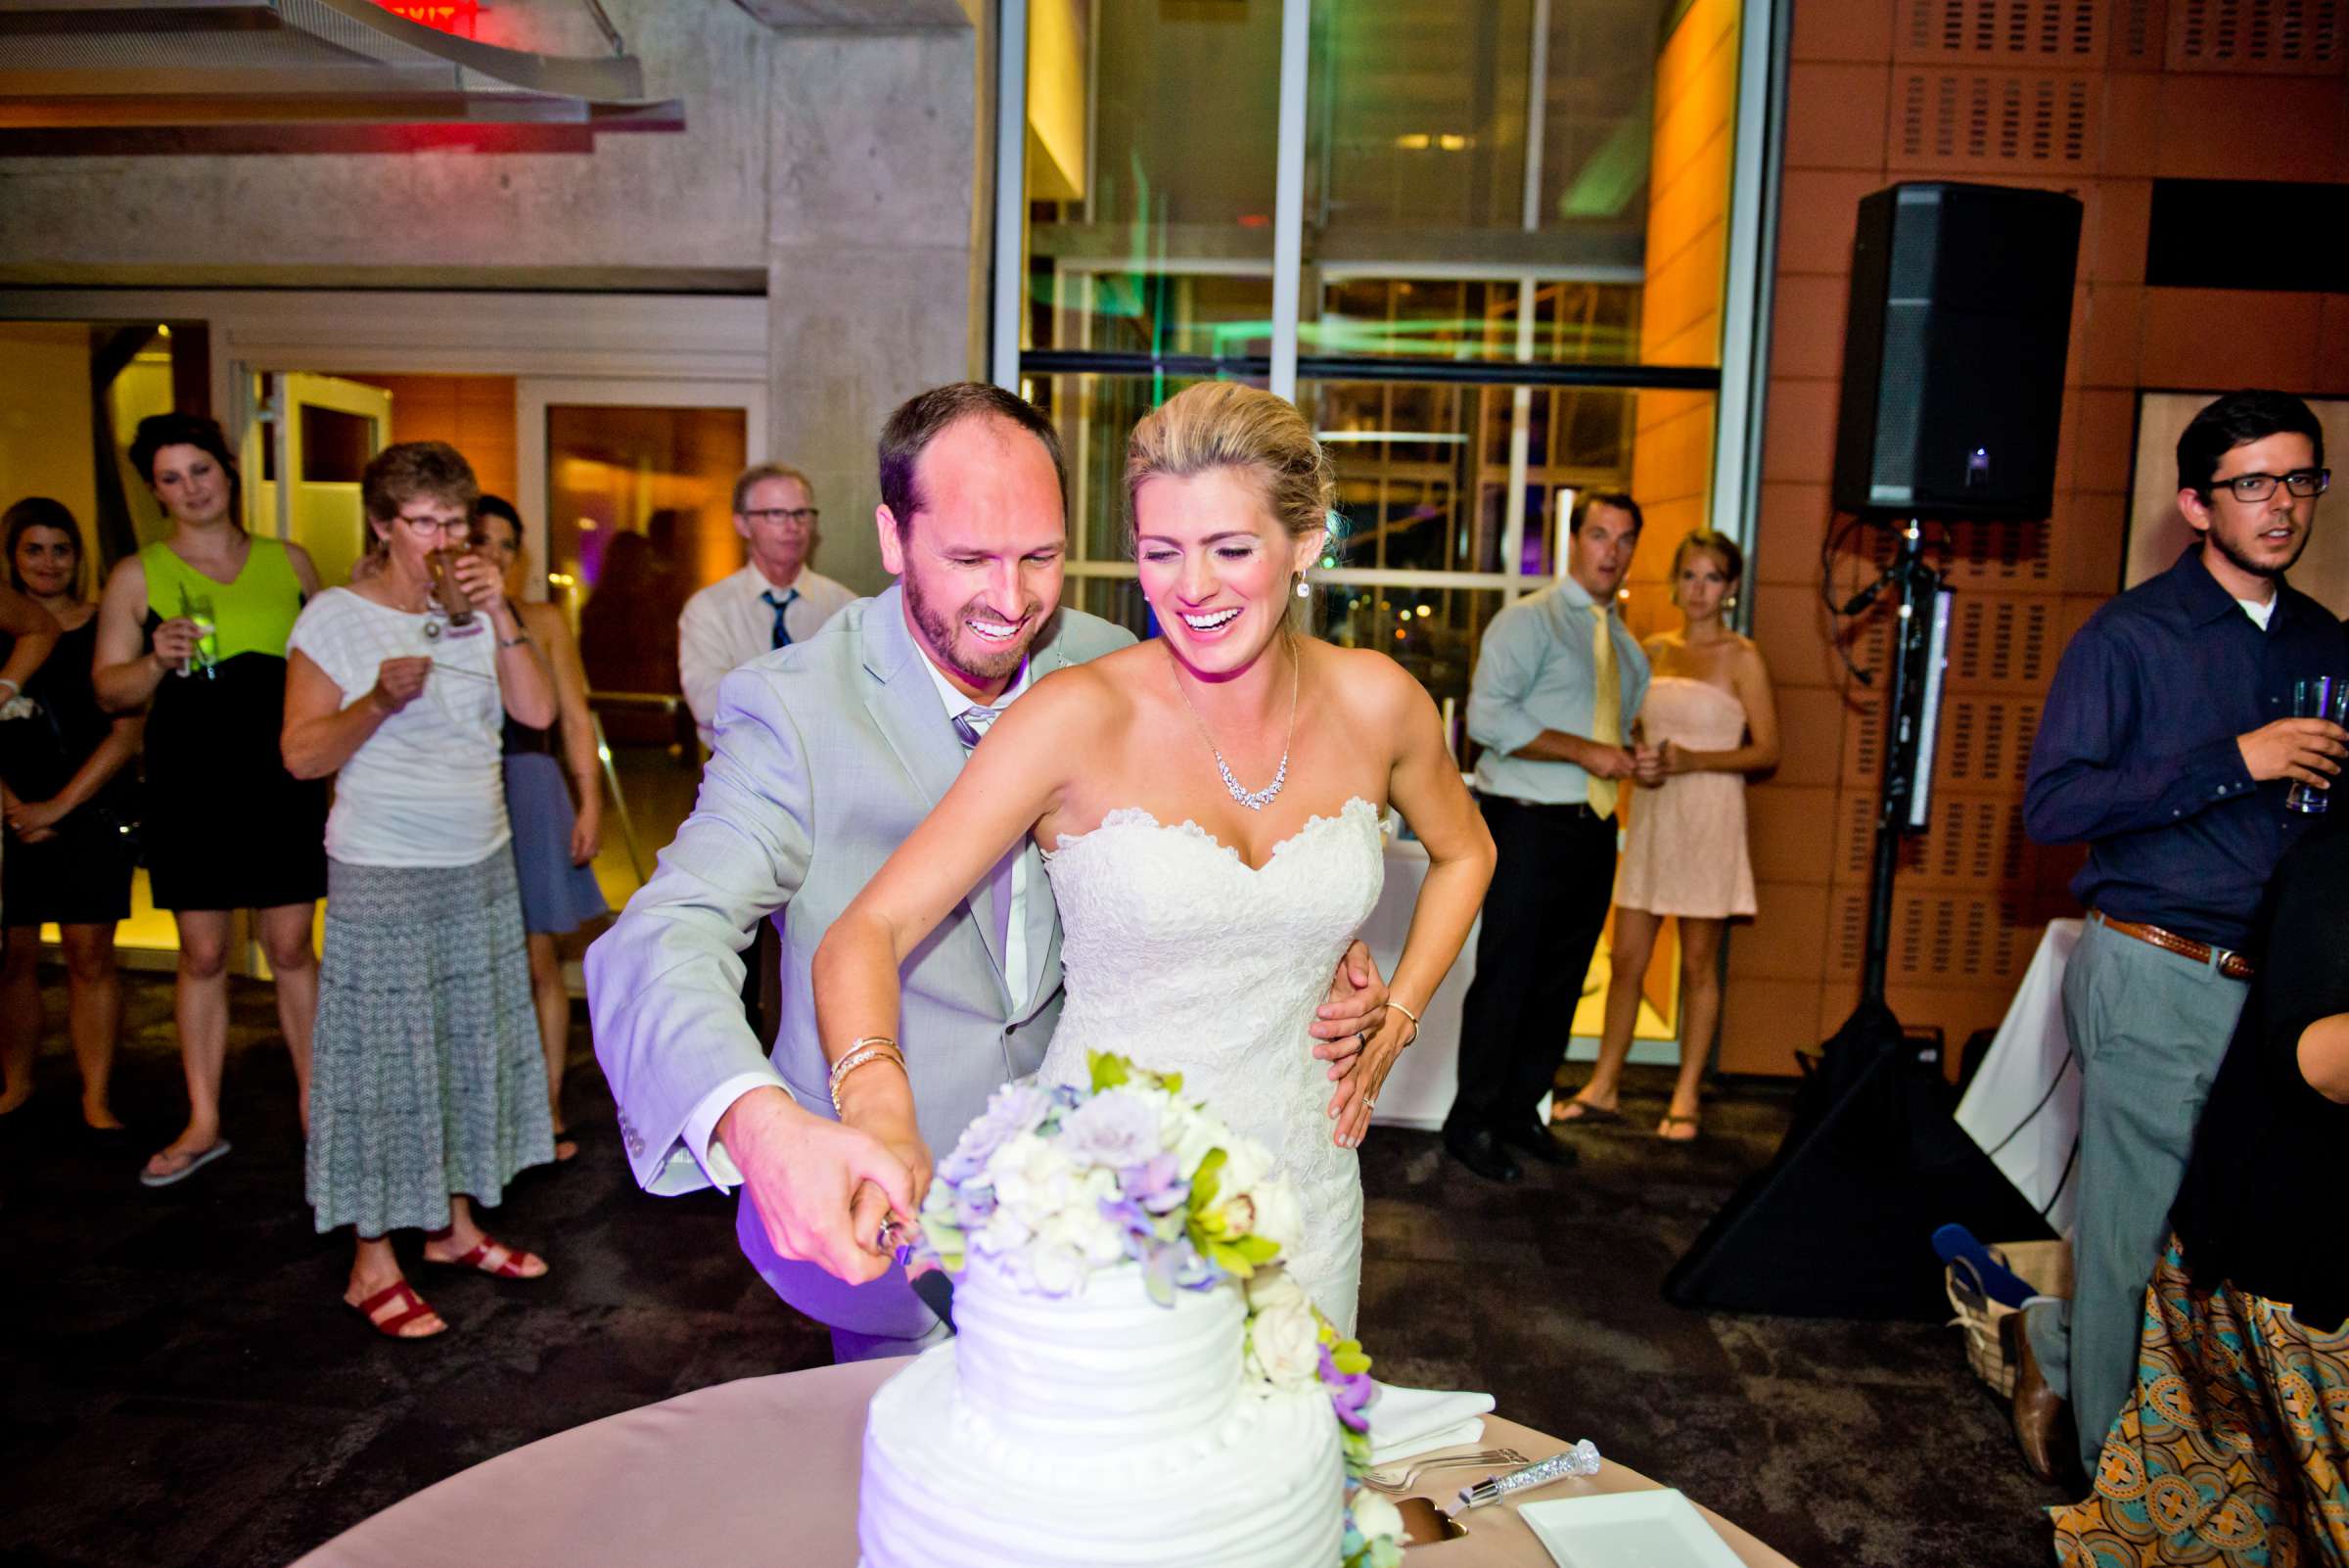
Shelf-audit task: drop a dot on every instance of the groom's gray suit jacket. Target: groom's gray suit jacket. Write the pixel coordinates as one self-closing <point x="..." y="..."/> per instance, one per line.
<point x="828" y="754"/>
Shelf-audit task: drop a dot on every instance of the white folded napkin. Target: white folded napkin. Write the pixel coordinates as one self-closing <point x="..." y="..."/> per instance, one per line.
<point x="1407" y="1421"/>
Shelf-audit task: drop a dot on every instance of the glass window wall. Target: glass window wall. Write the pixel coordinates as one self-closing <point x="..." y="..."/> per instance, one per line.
<point x="1513" y="272"/>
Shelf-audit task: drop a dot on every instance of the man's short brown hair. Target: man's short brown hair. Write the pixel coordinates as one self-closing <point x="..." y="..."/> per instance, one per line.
<point x="398" y="475"/>
<point x="924" y="417"/>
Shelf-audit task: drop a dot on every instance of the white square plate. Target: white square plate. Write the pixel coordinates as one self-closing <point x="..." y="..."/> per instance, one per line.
<point x="1659" y="1528"/>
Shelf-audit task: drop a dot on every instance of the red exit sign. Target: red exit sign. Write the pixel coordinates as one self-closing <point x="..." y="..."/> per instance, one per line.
<point x="458" y="17"/>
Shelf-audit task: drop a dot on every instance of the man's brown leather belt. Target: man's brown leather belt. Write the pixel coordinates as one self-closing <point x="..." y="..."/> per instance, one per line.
<point x="2234" y="965"/>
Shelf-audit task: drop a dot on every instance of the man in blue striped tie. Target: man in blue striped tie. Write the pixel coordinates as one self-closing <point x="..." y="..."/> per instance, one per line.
<point x="775" y="600"/>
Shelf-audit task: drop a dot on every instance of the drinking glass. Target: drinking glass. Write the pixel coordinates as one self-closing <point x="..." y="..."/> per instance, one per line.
<point x="446" y="591"/>
<point x="2316" y="697"/>
<point x="198" y="608"/>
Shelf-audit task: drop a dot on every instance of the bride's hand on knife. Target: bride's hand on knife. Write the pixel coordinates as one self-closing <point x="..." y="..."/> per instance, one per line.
<point x="877" y="1101"/>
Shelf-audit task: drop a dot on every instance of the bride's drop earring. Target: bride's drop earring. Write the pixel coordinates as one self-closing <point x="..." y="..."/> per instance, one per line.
<point x="1303" y="592"/>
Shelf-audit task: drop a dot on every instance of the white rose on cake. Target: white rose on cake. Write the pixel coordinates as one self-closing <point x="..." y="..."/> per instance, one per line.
<point x="1278" y="1218"/>
<point x="1374" y="1516"/>
<point x="1032" y="1177"/>
<point x="1284" y="1337"/>
<point x="1193" y="1135"/>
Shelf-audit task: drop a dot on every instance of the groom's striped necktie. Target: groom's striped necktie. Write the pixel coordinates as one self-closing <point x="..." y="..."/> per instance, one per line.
<point x="970" y="725"/>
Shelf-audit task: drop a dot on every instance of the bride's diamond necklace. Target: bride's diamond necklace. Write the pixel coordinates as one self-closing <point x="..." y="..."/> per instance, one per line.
<point x="1254" y="800"/>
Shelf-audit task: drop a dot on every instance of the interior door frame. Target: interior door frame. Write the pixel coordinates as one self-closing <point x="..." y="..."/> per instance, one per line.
<point x="534" y="395"/>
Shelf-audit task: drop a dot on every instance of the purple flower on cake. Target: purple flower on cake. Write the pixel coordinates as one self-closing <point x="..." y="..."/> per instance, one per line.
<point x="973" y="1206"/>
<point x="1117" y="1128"/>
<point x="1014" y="1109"/>
<point x="1349" y="1393"/>
<point x="1157" y="1184"/>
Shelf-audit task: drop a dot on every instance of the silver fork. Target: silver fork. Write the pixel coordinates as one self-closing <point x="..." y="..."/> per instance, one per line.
<point x="1387" y="1481"/>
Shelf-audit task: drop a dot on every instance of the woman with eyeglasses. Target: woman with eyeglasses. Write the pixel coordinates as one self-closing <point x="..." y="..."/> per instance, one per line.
<point x="430" y="1094"/>
<point x="554" y="841"/>
<point x="192" y="630"/>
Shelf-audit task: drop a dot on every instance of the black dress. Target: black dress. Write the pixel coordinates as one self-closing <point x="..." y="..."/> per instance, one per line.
<point x="226" y="826"/>
<point x="81" y="876"/>
<point x="2255" y="1208"/>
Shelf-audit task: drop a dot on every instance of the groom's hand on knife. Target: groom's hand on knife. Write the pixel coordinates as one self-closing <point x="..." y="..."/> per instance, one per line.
<point x="803" y="1172"/>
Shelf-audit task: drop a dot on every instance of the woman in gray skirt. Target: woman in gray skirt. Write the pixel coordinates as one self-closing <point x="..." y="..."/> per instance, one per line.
<point x="428" y="1091"/>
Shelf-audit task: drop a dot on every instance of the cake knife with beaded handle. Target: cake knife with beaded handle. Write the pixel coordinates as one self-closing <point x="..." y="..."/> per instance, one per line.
<point x="1581" y="1459"/>
<point x="935" y="1290"/>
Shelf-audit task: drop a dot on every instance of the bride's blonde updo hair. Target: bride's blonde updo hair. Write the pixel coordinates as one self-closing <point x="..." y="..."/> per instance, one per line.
<point x="1227" y="424"/>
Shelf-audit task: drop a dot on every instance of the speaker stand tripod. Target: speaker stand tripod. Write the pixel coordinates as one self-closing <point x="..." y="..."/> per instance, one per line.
<point x="1916" y="585"/>
<point x="1839" y="1223"/>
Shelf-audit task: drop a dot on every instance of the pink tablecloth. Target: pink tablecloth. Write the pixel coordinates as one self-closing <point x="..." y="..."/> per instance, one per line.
<point x="762" y="1474"/>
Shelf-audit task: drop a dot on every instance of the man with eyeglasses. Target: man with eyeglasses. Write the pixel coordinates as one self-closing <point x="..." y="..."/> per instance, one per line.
<point x="775" y="600"/>
<point x="2167" y="744"/>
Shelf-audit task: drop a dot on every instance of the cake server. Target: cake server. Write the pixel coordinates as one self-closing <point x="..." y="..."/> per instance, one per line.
<point x="1581" y="1459"/>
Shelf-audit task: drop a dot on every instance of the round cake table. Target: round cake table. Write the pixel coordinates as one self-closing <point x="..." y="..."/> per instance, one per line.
<point x="762" y="1474"/>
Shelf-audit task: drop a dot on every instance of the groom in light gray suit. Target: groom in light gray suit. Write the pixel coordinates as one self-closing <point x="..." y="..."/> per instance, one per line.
<point x="828" y="753"/>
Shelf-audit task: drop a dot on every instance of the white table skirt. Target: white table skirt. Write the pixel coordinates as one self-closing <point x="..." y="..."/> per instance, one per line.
<point x="2023" y="1106"/>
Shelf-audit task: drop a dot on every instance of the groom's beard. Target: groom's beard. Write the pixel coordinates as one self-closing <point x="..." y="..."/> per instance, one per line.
<point x="981" y="663"/>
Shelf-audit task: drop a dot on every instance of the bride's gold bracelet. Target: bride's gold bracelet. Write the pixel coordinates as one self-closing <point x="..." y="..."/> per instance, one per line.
<point x="869" y="1049"/>
<point x="1408" y="1013"/>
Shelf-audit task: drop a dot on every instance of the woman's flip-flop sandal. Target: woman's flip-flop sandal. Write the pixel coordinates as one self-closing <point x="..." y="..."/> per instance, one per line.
<point x="1566" y="1113"/>
<point x="508" y="1262"/>
<point x="404" y="1297"/>
<point x="1663" y="1128"/>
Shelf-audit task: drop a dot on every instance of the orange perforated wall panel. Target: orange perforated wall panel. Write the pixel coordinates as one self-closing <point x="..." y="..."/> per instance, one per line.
<point x="2098" y="98"/>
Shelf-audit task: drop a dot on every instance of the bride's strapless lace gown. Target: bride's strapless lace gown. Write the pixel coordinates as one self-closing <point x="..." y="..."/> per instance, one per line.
<point x="1180" y="956"/>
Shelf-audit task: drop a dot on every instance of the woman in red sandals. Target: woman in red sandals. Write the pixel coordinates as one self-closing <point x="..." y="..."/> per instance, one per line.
<point x="428" y="1091"/>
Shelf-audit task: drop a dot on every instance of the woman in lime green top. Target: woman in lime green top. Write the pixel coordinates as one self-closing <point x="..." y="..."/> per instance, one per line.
<point x="194" y="629"/>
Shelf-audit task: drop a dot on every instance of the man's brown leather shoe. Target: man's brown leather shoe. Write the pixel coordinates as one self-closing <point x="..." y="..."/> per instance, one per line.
<point x="2041" y="1423"/>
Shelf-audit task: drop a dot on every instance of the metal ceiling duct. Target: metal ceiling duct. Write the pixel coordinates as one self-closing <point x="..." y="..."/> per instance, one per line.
<point x="111" y="76"/>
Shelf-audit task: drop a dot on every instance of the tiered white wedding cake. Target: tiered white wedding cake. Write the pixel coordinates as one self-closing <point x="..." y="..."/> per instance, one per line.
<point x="1133" y="1381"/>
<point x="1095" y="1429"/>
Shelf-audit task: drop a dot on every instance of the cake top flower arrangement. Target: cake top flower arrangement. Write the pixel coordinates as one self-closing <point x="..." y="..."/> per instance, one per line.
<point x="1053" y="1184"/>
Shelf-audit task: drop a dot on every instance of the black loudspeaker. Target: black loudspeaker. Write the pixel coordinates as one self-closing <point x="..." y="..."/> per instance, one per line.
<point x="1840" y="1222"/>
<point x="1953" y="350"/>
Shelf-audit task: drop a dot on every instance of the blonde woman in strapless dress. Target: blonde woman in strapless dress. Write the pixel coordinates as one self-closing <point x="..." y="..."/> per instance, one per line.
<point x="1709" y="721"/>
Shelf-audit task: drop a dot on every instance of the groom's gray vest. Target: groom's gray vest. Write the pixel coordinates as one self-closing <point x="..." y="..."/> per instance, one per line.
<point x="828" y="754"/>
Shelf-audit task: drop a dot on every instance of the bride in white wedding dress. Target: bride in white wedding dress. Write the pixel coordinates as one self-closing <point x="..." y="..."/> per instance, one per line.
<point x="1208" y="803"/>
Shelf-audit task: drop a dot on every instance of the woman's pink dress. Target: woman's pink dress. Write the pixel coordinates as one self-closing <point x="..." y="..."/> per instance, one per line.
<point x="1686" y="852"/>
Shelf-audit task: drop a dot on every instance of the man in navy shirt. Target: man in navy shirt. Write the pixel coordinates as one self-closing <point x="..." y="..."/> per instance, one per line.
<point x="2167" y="744"/>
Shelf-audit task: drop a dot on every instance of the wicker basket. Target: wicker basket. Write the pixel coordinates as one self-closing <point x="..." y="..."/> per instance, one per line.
<point x="2045" y="1265"/>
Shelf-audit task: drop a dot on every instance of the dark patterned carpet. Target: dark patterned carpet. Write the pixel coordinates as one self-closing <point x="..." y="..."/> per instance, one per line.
<point x="180" y="1385"/>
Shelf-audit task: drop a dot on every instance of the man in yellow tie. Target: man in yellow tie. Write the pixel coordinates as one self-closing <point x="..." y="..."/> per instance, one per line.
<point x="1558" y="681"/>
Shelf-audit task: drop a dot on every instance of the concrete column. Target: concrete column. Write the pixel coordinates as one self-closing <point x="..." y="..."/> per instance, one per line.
<point x="875" y="276"/>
